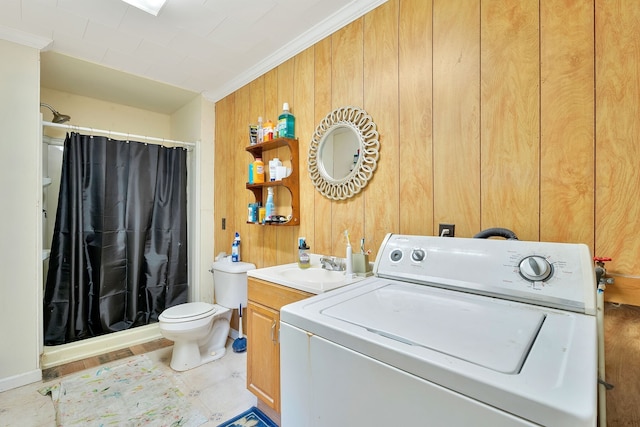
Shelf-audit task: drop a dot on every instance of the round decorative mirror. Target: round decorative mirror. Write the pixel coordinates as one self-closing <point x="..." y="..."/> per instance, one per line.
<point x="343" y="153"/>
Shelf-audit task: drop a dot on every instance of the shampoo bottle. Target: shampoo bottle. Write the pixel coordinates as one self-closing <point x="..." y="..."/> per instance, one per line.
<point x="269" y="205"/>
<point x="286" y="123"/>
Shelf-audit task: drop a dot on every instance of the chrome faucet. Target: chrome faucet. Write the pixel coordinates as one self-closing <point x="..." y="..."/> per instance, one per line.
<point x="332" y="263"/>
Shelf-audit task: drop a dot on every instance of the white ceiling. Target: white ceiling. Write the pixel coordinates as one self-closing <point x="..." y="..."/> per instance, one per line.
<point x="109" y="50"/>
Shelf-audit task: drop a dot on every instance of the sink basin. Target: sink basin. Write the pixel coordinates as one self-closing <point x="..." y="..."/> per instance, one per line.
<point x="314" y="279"/>
<point x="314" y="275"/>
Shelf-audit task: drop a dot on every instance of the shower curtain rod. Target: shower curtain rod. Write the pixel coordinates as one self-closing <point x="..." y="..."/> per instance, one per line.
<point x="110" y="133"/>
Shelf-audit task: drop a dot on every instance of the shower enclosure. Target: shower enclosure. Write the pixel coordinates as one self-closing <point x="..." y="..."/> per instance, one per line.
<point x="119" y="248"/>
<point x="54" y="355"/>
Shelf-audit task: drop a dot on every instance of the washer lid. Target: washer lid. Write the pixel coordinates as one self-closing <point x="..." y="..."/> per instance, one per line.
<point x="491" y="333"/>
<point x="188" y="311"/>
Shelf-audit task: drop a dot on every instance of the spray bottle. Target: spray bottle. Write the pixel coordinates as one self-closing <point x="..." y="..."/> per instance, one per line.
<point x="269" y="213"/>
<point x="235" y="248"/>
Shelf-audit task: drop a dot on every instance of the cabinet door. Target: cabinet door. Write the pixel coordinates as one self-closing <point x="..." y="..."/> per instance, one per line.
<point x="263" y="356"/>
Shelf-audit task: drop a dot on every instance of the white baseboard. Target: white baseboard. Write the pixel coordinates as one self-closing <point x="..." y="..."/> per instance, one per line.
<point x="20" y="380"/>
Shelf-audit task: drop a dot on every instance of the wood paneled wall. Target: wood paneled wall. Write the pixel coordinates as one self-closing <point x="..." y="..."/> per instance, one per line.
<point x="491" y="113"/>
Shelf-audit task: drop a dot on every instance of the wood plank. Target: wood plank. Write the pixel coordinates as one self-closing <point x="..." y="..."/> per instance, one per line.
<point x="456" y="116"/>
<point x="382" y="195"/>
<point x="618" y="134"/>
<point x="271" y="111"/>
<point x="253" y="250"/>
<point x="415" y="99"/>
<point x="346" y="81"/>
<point x="624" y="290"/>
<point x="321" y="241"/>
<point x="303" y="91"/>
<point x="567" y="121"/>
<point x="240" y="196"/>
<point x="621" y="332"/>
<point x="287" y="236"/>
<point x="510" y="116"/>
<point x="223" y="157"/>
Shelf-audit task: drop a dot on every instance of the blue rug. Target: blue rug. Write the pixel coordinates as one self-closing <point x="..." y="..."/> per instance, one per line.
<point x="253" y="417"/>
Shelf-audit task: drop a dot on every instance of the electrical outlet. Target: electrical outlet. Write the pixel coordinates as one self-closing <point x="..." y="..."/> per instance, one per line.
<point x="442" y="230"/>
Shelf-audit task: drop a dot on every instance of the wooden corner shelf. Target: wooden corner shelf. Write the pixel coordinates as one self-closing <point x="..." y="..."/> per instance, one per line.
<point x="291" y="183"/>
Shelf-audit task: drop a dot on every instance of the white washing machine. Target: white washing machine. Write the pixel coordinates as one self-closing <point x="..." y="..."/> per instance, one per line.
<point x="448" y="332"/>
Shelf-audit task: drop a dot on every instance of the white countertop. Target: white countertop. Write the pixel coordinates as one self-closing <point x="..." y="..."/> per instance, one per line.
<point x="314" y="279"/>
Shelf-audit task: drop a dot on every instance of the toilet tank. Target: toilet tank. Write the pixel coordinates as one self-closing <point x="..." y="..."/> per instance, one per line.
<point x="230" y="283"/>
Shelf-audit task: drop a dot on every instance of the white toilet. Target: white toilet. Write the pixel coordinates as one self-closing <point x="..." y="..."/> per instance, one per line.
<point x="199" y="330"/>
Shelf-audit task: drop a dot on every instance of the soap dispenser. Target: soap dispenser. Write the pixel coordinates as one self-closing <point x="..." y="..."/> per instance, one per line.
<point x="304" y="259"/>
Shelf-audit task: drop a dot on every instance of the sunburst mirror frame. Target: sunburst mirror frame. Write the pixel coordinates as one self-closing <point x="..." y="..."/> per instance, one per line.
<point x="363" y="126"/>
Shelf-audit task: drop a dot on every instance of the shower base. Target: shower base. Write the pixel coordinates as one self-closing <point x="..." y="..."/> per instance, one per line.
<point x="71" y="352"/>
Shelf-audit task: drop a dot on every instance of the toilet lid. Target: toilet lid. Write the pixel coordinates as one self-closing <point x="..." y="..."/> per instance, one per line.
<point x="190" y="310"/>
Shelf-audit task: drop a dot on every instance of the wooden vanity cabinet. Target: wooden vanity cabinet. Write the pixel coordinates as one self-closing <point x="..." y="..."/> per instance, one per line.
<point x="263" y="343"/>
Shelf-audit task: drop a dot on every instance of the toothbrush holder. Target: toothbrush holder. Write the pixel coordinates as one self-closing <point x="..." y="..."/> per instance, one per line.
<point x="361" y="265"/>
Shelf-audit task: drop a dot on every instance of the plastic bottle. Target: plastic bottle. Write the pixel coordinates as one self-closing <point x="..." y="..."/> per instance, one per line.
<point x="258" y="171"/>
<point x="261" y="214"/>
<point x="235" y="248"/>
<point x="260" y="130"/>
<point x="250" y="181"/>
<point x="273" y="168"/>
<point x="269" y="205"/>
<point x="267" y="134"/>
<point x="286" y="123"/>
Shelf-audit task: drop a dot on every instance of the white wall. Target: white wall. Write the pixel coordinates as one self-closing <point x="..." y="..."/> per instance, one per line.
<point x="195" y="122"/>
<point x="20" y="215"/>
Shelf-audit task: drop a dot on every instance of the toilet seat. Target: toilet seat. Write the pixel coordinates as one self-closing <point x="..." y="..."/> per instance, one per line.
<point x="187" y="312"/>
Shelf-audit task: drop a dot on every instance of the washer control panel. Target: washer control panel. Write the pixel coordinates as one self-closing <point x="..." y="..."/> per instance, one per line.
<point x="558" y="275"/>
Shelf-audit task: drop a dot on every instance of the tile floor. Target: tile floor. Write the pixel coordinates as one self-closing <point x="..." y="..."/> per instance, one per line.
<point x="217" y="389"/>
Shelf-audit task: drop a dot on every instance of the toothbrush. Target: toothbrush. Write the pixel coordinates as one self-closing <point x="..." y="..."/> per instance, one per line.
<point x="348" y="261"/>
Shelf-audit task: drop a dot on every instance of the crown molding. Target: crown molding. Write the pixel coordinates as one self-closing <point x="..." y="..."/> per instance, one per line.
<point x="339" y="19"/>
<point x="24" y="38"/>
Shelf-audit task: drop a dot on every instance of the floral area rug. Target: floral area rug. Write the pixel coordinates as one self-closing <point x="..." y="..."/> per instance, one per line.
<point x="132" y="394"/>
<point x="254" y="417"/>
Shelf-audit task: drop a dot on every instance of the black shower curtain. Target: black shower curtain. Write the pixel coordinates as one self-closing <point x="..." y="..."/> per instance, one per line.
<point x="119" y="251"/>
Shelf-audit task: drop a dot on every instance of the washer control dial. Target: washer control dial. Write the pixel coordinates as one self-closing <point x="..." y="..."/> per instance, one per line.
<point x="535" y="268"/>
<point x="396" y="255"/>
<point x="418" y="254"/>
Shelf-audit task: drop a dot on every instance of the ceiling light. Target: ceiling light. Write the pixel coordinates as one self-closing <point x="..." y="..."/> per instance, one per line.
<point x="149" y="6"/>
